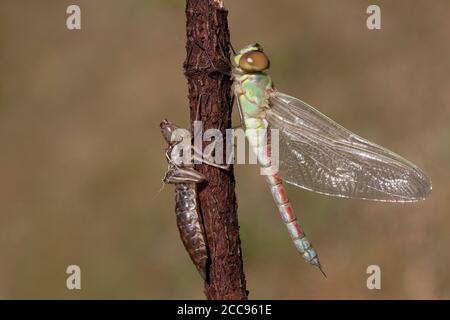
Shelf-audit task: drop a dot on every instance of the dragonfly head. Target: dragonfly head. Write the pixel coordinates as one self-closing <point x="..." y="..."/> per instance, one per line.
<point x="168" y="129"/>
<point x="252" y="59"/>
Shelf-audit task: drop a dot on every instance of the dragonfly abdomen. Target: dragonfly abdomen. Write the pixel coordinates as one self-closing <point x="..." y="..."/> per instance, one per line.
<point x="290" y="220"/>
<point x="190" y="225"/>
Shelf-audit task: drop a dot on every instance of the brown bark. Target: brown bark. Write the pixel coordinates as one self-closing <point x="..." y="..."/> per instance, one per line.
<point x="207" y="61"/>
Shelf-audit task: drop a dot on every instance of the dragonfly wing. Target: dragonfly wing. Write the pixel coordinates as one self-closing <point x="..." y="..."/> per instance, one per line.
<point x="318" y="154"/>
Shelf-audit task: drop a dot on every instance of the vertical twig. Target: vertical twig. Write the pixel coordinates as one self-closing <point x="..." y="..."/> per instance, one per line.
<point x="206" y="65"/>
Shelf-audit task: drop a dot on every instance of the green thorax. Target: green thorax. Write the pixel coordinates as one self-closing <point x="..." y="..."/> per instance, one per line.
<point x="253" y="99"/>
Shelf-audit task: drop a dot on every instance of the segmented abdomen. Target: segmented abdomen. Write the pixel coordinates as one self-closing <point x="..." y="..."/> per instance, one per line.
<point x="298" y="236"/>
<point x="190" y="225"/>
<point x="290" y="220"/>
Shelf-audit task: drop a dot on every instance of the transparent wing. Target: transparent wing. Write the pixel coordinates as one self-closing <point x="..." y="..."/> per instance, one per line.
<point x="317" y="154"/>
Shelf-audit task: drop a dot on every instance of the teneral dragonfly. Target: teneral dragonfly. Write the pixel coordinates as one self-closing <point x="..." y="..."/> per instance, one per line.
<point x="315" y="153"/>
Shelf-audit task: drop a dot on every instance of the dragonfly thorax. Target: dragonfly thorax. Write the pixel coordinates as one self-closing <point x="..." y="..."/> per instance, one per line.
<point x="252" y="91"/>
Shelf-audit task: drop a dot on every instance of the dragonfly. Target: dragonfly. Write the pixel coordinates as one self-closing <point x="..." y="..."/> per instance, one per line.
<point x="315" y="152"/>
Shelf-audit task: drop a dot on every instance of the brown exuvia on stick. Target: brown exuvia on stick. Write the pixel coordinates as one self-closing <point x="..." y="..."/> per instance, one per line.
<point x="189" y="221"/>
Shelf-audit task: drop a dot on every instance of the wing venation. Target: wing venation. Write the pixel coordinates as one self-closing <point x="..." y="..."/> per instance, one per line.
<point x="318" y="154"/>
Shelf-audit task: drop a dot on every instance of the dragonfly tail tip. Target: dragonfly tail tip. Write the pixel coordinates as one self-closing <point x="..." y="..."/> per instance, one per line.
<point x="203" y="273"/>
<point x="321" y="270"/>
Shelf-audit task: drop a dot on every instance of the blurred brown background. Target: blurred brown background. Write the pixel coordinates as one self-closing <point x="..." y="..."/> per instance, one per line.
<point x="81" y="157"/>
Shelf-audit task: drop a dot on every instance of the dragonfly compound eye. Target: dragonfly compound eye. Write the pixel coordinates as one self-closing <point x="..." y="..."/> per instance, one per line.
<point x="254" y="61"/>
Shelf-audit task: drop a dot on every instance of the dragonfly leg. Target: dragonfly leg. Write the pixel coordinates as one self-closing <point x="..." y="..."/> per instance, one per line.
<point x="241" y="115"/>
<point x="212" y="164"/>
<point x="238" y="104"/>
<point x="239" y="125"/>
<point x="201" y="157"/>
<point x="199" y="104"/>
<point x="224" y="57"/>
<point x="176" y="175"/>
<point x="216" y="69"/>
<point x="232" y="49"/>
<point x="204" y="159"/>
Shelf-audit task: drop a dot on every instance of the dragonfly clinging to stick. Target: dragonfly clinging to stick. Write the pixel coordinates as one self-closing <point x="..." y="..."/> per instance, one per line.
<point x="315" y="153"/>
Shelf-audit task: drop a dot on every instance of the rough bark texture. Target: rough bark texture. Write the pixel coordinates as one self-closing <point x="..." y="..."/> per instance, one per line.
<point x="208" y="43"/>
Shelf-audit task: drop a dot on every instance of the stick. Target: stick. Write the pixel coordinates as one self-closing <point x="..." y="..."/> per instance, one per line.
<point x="206" y="68"/>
